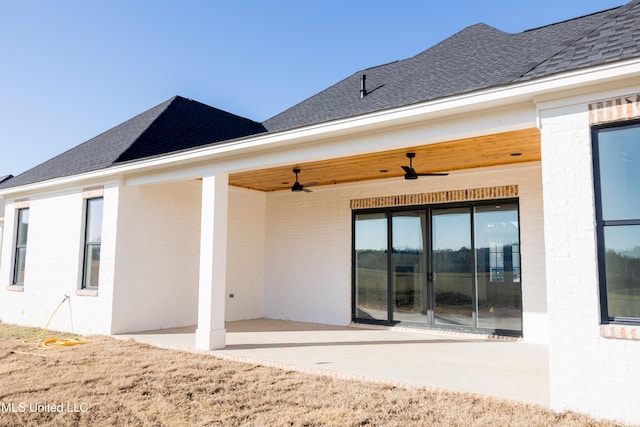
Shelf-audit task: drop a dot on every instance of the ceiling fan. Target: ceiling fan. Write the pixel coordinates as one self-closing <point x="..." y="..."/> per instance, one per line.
<point x="301" y="187"/>
<point x="410" y="172"/>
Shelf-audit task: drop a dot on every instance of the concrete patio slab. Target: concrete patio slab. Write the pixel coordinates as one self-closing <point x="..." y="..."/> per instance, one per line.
<point x="507" y="369"/>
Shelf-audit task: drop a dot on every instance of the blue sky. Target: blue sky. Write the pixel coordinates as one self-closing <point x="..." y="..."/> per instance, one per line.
<point x="71" y="70"/>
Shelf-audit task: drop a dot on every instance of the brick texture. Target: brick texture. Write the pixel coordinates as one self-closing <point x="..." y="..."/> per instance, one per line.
<point x="613" y="110"/>
<point x="437" y="197"/>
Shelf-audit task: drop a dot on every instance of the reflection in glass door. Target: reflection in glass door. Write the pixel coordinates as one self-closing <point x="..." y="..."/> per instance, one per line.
<point x="409" y="287"/>
<point x="452" y="267"/>
<point x="371" y="285"/>
<point x="497" y="249"/>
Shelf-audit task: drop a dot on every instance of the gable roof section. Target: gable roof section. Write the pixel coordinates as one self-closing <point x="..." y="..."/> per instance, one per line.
<point x="4" y="178"/>
<point x="477" y="57"/>
<point x="176" y="124"/>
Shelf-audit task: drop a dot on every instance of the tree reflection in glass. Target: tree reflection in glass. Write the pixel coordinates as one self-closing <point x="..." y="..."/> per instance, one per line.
<point x="371" y="266"/>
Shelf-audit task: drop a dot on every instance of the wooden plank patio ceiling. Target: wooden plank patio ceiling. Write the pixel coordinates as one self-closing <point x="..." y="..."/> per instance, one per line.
<point x="469" y="153"/>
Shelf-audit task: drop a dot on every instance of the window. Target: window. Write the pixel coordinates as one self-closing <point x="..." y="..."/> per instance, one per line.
<point x="616" y="154"/>
<point x="21" y="246"/>
<point x="92" y="242"/>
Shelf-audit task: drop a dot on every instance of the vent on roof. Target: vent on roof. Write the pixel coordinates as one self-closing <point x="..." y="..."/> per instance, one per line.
<point x="363" y="86"/>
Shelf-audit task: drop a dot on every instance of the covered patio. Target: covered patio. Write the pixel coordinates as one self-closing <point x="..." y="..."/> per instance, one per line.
<point x="502" y="368"/>
<point x="250" y="217"/>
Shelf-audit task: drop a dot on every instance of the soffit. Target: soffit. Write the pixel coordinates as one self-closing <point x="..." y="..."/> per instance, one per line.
<point x="448" y="156"/>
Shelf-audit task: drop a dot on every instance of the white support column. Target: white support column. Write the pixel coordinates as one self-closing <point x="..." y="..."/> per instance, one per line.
<point x="210" y="333"/>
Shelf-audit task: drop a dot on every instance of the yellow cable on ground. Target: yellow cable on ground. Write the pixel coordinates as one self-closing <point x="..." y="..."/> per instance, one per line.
<point x="65" y="342"/>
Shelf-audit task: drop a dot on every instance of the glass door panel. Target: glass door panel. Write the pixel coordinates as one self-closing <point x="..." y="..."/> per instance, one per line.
<point x="452" y="267"/>
<point x="497" y="247"/>
<point x="371" y="267"/>
<point x="409" y="290"/>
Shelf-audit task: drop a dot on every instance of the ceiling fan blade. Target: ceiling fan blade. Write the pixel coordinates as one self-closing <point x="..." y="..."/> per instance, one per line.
<point x="308" y="184"/>
<point x="408" y="170"/>
<point x="306" y="190"/>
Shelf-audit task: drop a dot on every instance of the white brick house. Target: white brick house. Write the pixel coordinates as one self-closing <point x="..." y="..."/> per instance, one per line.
<point x="532" y="233"/>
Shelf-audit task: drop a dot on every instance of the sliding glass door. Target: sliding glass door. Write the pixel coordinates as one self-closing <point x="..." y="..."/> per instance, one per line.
<point x="371" y="272"/>
<point x="497" y="243"/>
<point x="408" y="271"/>
<point x="452" y="267"/>
<point x="455" y="266"/>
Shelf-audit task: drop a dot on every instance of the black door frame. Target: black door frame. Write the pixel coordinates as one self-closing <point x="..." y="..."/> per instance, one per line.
<point x="428" y="262"/>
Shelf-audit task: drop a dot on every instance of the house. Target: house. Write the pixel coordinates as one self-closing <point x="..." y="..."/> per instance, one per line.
<point x="528" y="226"/>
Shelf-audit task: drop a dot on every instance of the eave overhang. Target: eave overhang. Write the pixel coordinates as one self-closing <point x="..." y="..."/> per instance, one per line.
<point x="234" y="156"/>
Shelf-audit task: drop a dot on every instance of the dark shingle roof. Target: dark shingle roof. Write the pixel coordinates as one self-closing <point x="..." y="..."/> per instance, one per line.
<point x="4" y="178"/>
<point x="477" y="57"/>
<point x="617" y="39"/>
<point x="174" y="125"/>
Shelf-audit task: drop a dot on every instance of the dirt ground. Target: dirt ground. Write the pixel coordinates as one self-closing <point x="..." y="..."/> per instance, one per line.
<point x="113" y="382"/>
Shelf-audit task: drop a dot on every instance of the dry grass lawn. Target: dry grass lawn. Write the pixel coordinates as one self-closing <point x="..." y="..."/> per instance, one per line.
<point x="113" y="382"/>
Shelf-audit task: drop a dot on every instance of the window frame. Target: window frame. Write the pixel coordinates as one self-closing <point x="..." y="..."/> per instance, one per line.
<point x="17" y="247"/>
<point x="602" y="224"/>
<point x="87" y="244"/>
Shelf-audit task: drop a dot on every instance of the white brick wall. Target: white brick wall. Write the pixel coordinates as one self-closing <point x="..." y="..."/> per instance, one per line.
<point x="156" y="230"/>
<point x="308" y="255"/>
<point x="246" y="255"/>
<point x="5" y="266"/>
<point x="54" y="267"/>
<point x="157" y="257"/>
<point x="588" y="373"/>
<point x="1" y="227"/>
<point x="1" y="234"/>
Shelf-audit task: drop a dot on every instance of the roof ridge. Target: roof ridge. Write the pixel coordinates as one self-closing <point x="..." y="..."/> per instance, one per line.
<point x="6" y="184"/>
<point x="622" y="9"/>
<point x="377" y="66"/>
<point x="215" y="108"/>
<point x="479" y="24"/>
<point x="576" y="18"/>
<point x="175" y="124"/>
<point x="459" y="33"/>
<point x="168" y="103"/>
<point x="187" y="110"/>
